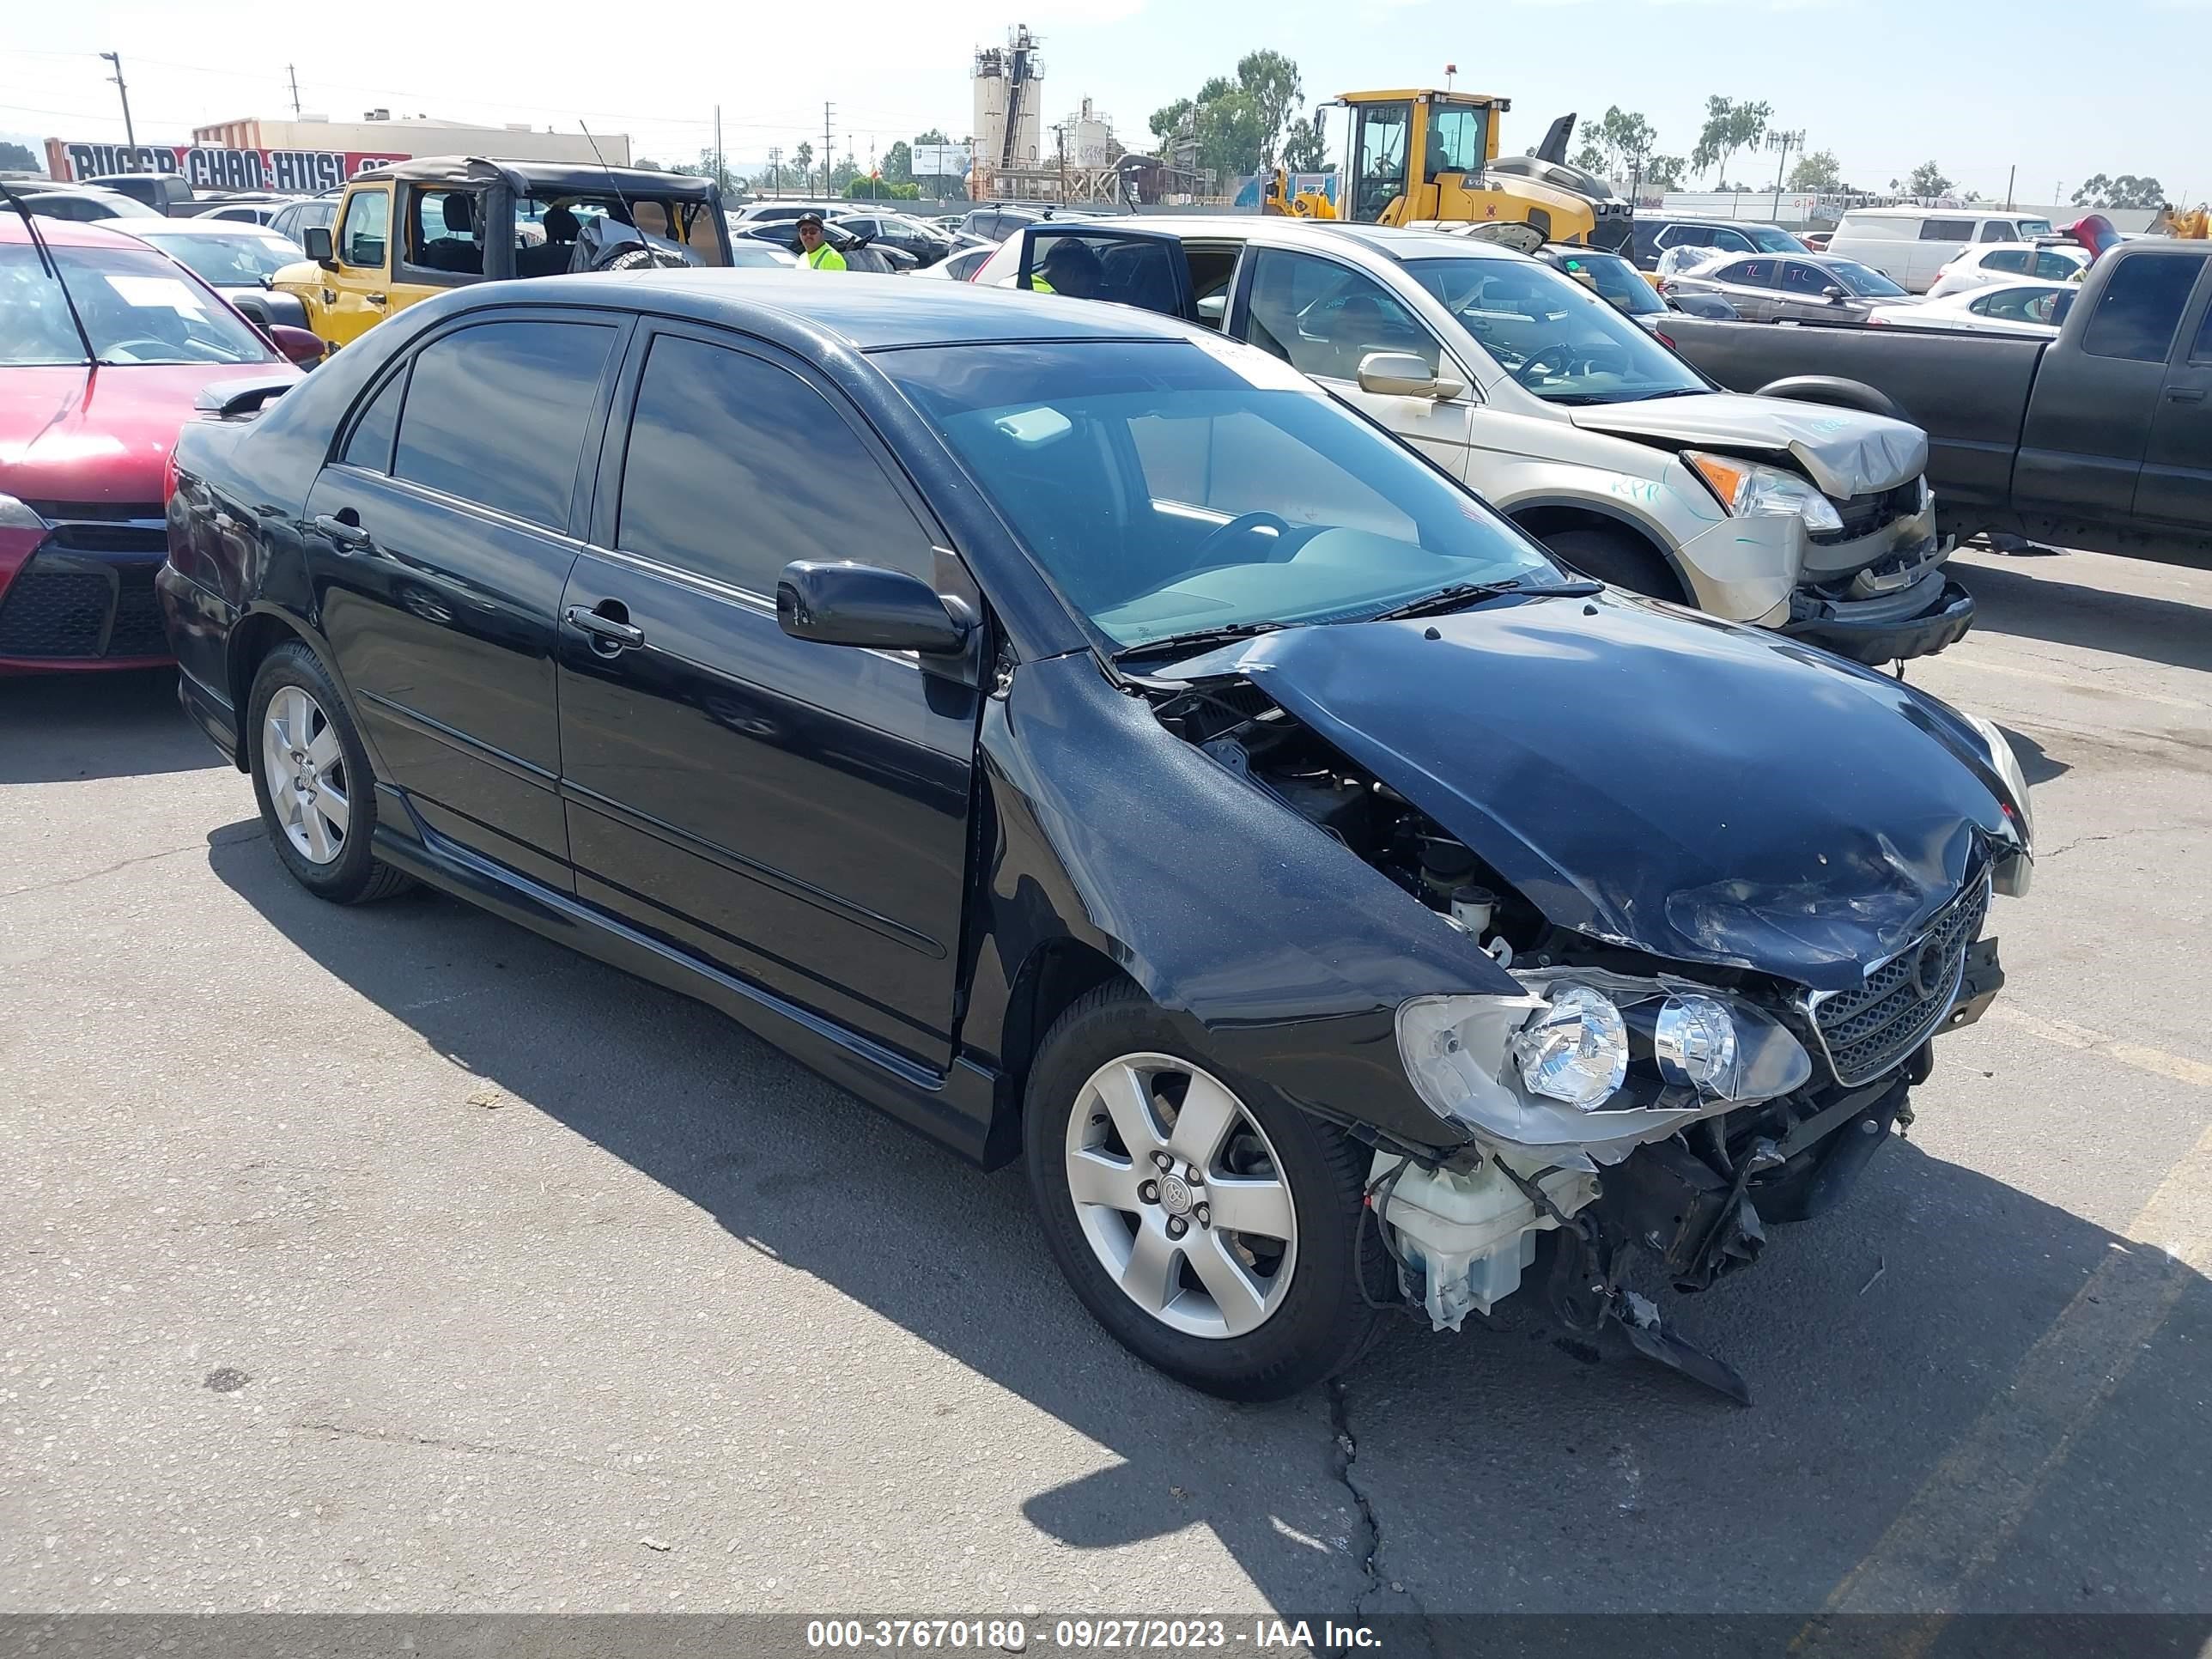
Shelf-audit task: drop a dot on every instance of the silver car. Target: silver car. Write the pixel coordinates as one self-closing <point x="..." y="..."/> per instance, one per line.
<point x="1806" y="288"/>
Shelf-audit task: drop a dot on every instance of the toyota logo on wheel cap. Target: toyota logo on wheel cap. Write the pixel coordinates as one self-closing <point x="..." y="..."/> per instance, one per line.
<point x="1175" y="1195"/>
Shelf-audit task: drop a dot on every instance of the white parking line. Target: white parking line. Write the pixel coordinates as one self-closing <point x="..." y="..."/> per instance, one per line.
<point x="2066" y="1034"/>
<point x="1994" y="666"/>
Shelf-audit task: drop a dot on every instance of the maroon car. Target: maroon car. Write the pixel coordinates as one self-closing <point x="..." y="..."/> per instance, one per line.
<point x="85" y="434"/>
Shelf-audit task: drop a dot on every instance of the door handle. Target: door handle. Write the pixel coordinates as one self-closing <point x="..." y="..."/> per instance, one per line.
<point x="373" y="298"/>
<point x="609" y="634"/>
<point x="346" y="537"/>
<point x="2184" y="394"/>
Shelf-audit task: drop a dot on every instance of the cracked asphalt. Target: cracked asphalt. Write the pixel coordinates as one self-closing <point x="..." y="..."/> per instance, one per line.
<point x="397" y="1259"/>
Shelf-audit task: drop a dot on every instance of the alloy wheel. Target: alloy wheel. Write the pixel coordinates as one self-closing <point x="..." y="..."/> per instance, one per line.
<point x="304" y="768"/>
<point x="1181" y="1196"/>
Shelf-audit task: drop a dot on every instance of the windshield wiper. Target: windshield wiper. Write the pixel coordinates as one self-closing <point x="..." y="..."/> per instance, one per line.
<point x="1200" y="639"/>
<point x="1465" y="593"/>
<point x="1674" y="391"/>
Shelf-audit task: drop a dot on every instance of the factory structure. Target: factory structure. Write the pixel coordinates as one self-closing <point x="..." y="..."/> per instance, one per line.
<point x="1017" y="155"/>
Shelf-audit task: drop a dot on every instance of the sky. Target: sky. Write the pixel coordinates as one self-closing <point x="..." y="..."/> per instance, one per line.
<point x="1977" y="86"/>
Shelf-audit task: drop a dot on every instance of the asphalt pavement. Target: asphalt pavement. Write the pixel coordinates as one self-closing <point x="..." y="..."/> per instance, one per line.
<point x="395" y="1258"/>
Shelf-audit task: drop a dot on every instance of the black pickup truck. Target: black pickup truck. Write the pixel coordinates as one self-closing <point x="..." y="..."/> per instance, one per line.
<point x="2100" y="438"/>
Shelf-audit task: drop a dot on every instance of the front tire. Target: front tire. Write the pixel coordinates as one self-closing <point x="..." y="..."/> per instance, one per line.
<point x="311" y="778"/>
<point x="1210" y="1226"/>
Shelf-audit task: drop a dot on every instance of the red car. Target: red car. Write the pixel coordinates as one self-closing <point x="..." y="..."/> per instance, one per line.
<point x="85" y="436"/>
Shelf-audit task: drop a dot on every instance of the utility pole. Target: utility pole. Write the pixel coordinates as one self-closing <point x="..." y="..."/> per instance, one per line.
<point x="1060" y="133"/>
<point x="2011" y="173"/>
<point x="129" y="136"/>
<point x="1783" y="141"/>
<point x="294" y="72"/>
<point x="721" y="171"/>
<point x="827" y="149"/>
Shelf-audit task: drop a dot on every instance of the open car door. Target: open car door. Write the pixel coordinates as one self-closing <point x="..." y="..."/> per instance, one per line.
<point x="1128" y="264"/>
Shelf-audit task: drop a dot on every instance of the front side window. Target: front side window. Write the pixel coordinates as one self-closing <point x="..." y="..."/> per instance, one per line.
<point x="363" y="239"/>
<point x="736" y="467"/>
<point x="1458" y="135"/>
<point x="1324" y="318"/>
<point x="496" y="415"/>
<point x="1555" y="338"/>
<point x="1862" y="280"/>
<point x="1378" y="173"/>
<point x="1808" y="281"/>
<point x="137" y="307"/>
<point x="1946" y="230"/>
<point x="2142" y="308"/>
<point x="1169" y="490"/>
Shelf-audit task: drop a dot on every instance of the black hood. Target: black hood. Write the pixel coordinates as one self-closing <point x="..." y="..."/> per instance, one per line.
<point x="1694" y="789"/>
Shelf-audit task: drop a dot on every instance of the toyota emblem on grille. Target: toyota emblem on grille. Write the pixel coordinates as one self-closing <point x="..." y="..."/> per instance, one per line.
<point x="1928" y="969"/>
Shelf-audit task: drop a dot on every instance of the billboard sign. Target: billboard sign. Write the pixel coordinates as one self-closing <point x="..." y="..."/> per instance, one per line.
<point x="211" y="167"/>
<point x="940" y="161"/>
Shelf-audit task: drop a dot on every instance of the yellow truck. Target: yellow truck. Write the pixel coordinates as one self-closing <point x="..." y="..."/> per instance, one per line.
<point x="407" y="232"/>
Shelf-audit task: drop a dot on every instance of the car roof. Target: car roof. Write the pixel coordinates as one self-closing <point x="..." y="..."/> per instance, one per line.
<point x="64" y="232"/>
<point x="1979" y="210"/>
<point x="531" y="178"/>
<point x="863" y="312"/>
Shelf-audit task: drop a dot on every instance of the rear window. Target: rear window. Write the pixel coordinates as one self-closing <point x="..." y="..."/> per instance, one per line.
<point x="2141" y="308"/>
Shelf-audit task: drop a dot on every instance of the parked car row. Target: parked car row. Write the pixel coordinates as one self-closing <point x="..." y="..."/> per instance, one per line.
<point x="1172" y="782"/>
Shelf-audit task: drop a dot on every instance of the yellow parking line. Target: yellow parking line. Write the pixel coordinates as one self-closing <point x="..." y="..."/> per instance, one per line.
<point x="1973" y="1503"/>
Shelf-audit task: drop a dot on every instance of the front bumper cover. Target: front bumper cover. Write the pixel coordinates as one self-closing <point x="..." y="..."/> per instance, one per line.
<point x="1876" y="641"/>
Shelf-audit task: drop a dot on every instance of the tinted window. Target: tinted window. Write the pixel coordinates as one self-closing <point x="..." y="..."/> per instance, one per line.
<point x="1685" y="236"/>
<point x="1997" y="230"/>
<point x="1863" y="280"/>
<point x="1807" y="280"/>
<point x="370" y="445"/>
<point x="2054" y="266"/>
<point x="496" y="415"/>
<point x="1090" y="265"/>
<point x="736" y="467"/>
<point x="1946" y="230"/>
<point x="1770" y="240"/>
<point x="2013" y="259"/>
<point x="1734" y="240"/>
<point x="1323" y="318"/>
<point x="2141" y="308"/>
<point x="367" y="223"/>
<point x="1750" y="273"/>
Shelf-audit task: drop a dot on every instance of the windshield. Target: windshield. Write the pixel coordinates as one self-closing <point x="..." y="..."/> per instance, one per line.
<point x="1169" y="489"/>
<point x="1768" y="239"/>
<point x="2035" y="227"/>
<point x="137" y="307"/>
<point x="239" y="261"/>
<point x="1862" y="280"/>
<point x="1552" y="335"/>
<point x="1615" y="278"/>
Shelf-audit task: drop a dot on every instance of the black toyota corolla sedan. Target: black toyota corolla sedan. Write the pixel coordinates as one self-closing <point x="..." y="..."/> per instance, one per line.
<point x="1087" y="740"/>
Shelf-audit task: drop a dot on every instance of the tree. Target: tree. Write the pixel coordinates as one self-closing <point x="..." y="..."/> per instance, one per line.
<point x="1627" y="140"/>
<point x="802" y="159"/>
<point x="1729" y="127"/>
<point x="1271" y="82"/>
<point x="1817" y="170"/>
<point x="898" y="164"/>
<point x="1305" y="149"/>
<point x="1590" y="159"/>
<point x="642" y="164"/>
<point x="1665" y="172"/>
<point x="2129" y="189"/>
<point x="1928" y="179"/>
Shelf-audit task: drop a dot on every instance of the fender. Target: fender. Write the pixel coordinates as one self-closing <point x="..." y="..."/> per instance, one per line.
<point x="1622" y="514"/>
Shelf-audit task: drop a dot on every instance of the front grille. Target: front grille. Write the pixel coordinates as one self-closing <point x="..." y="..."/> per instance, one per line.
<point x="1862" y="516"/>
<point x="1866" y="1031"/>
<point x="59" y="607"/>
<point x="80" y="537"/>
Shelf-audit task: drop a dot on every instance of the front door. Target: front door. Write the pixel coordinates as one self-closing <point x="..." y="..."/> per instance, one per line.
<point x="2176" y="488"/>
<point x="2089" y="415"/>
<point x="1324" y="318"/>
<point x="794" y="814"/>
<point x="439" y="543"/>
<point x="356" y="295"/>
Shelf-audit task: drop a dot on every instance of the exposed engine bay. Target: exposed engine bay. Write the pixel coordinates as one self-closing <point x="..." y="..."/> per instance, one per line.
<point x="1663" y="1110"/>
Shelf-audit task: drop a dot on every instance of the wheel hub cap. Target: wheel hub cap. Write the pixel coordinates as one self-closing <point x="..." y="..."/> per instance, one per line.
<point x="1175" y="1195"/>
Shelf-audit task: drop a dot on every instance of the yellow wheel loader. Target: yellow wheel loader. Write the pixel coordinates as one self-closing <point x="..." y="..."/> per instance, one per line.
<point x="1424" y="155"/>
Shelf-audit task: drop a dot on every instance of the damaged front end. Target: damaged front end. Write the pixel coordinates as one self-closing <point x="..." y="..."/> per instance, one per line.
<point x="1689" y="1058"/>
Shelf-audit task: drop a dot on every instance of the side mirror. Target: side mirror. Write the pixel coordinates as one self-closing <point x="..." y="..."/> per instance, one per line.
<point x="316" y="240"/>
<point x="865" y="604"/>
<point x="1832" y="295"/>
<point x="1403" y="374"/>
<point x="298" y="344"/>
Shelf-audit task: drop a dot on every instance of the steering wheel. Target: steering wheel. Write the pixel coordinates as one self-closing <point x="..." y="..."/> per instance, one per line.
<point x="1559" y="356"/>
<point x="1244" y="524"/>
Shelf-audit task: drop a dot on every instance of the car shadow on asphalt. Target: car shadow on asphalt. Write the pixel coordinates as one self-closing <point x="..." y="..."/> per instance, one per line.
<point x="1505" y="1469"/>
<point x="57" y="728"/>
<point x="2040" y="603"/>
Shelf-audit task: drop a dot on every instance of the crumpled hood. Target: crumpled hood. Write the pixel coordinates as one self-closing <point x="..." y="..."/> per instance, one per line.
<point x="1691" y="788"/>
<point x="1842" y="451"/>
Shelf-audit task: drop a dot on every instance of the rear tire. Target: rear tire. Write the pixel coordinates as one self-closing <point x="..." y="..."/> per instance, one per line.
<point x="1618" y="560"/>
<point x="311" y="778"/>
<point x="1306" y="1318"/>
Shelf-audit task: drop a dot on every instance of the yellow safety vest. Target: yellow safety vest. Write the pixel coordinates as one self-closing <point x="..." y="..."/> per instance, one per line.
<point x="825" y="257"/>
<point x="1039" y="285"/>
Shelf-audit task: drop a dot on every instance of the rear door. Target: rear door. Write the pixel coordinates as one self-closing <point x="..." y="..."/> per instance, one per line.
<point x="2095" y="397"/>
<point x="2176" y="488"/>
<point x="1749" y="286"/>
<point x="438" y="540"/>
<point x="1127" y="265"/>
<point x="794" y="814"/>
<point x="1324" y="317"/>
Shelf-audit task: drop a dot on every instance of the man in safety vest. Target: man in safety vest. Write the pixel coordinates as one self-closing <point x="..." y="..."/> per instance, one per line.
<point x="1069" y="267"/>
<point x="818" y="254"/>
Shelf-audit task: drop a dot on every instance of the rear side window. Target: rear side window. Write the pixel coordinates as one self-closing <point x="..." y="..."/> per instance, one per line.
<point x="735" y="467"/>
<point x="2141" y="308"/>
<point x="1090" y="265"/>
<point x="1946" y="230"/>
<point x="496" y="415"/>
<point x="2013" y="259"/>
<point x="370" y="445"/>
<point x="1751" y="273"/>
<point x="1998" y="230"/>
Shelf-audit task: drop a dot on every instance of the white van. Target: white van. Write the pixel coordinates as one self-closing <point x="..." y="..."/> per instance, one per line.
<point x="1910" y="245"/>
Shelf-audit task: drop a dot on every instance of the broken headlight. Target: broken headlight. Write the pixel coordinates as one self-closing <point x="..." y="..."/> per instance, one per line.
<point x="1747" y="488"/>
<point x="1575" y="1050"/>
